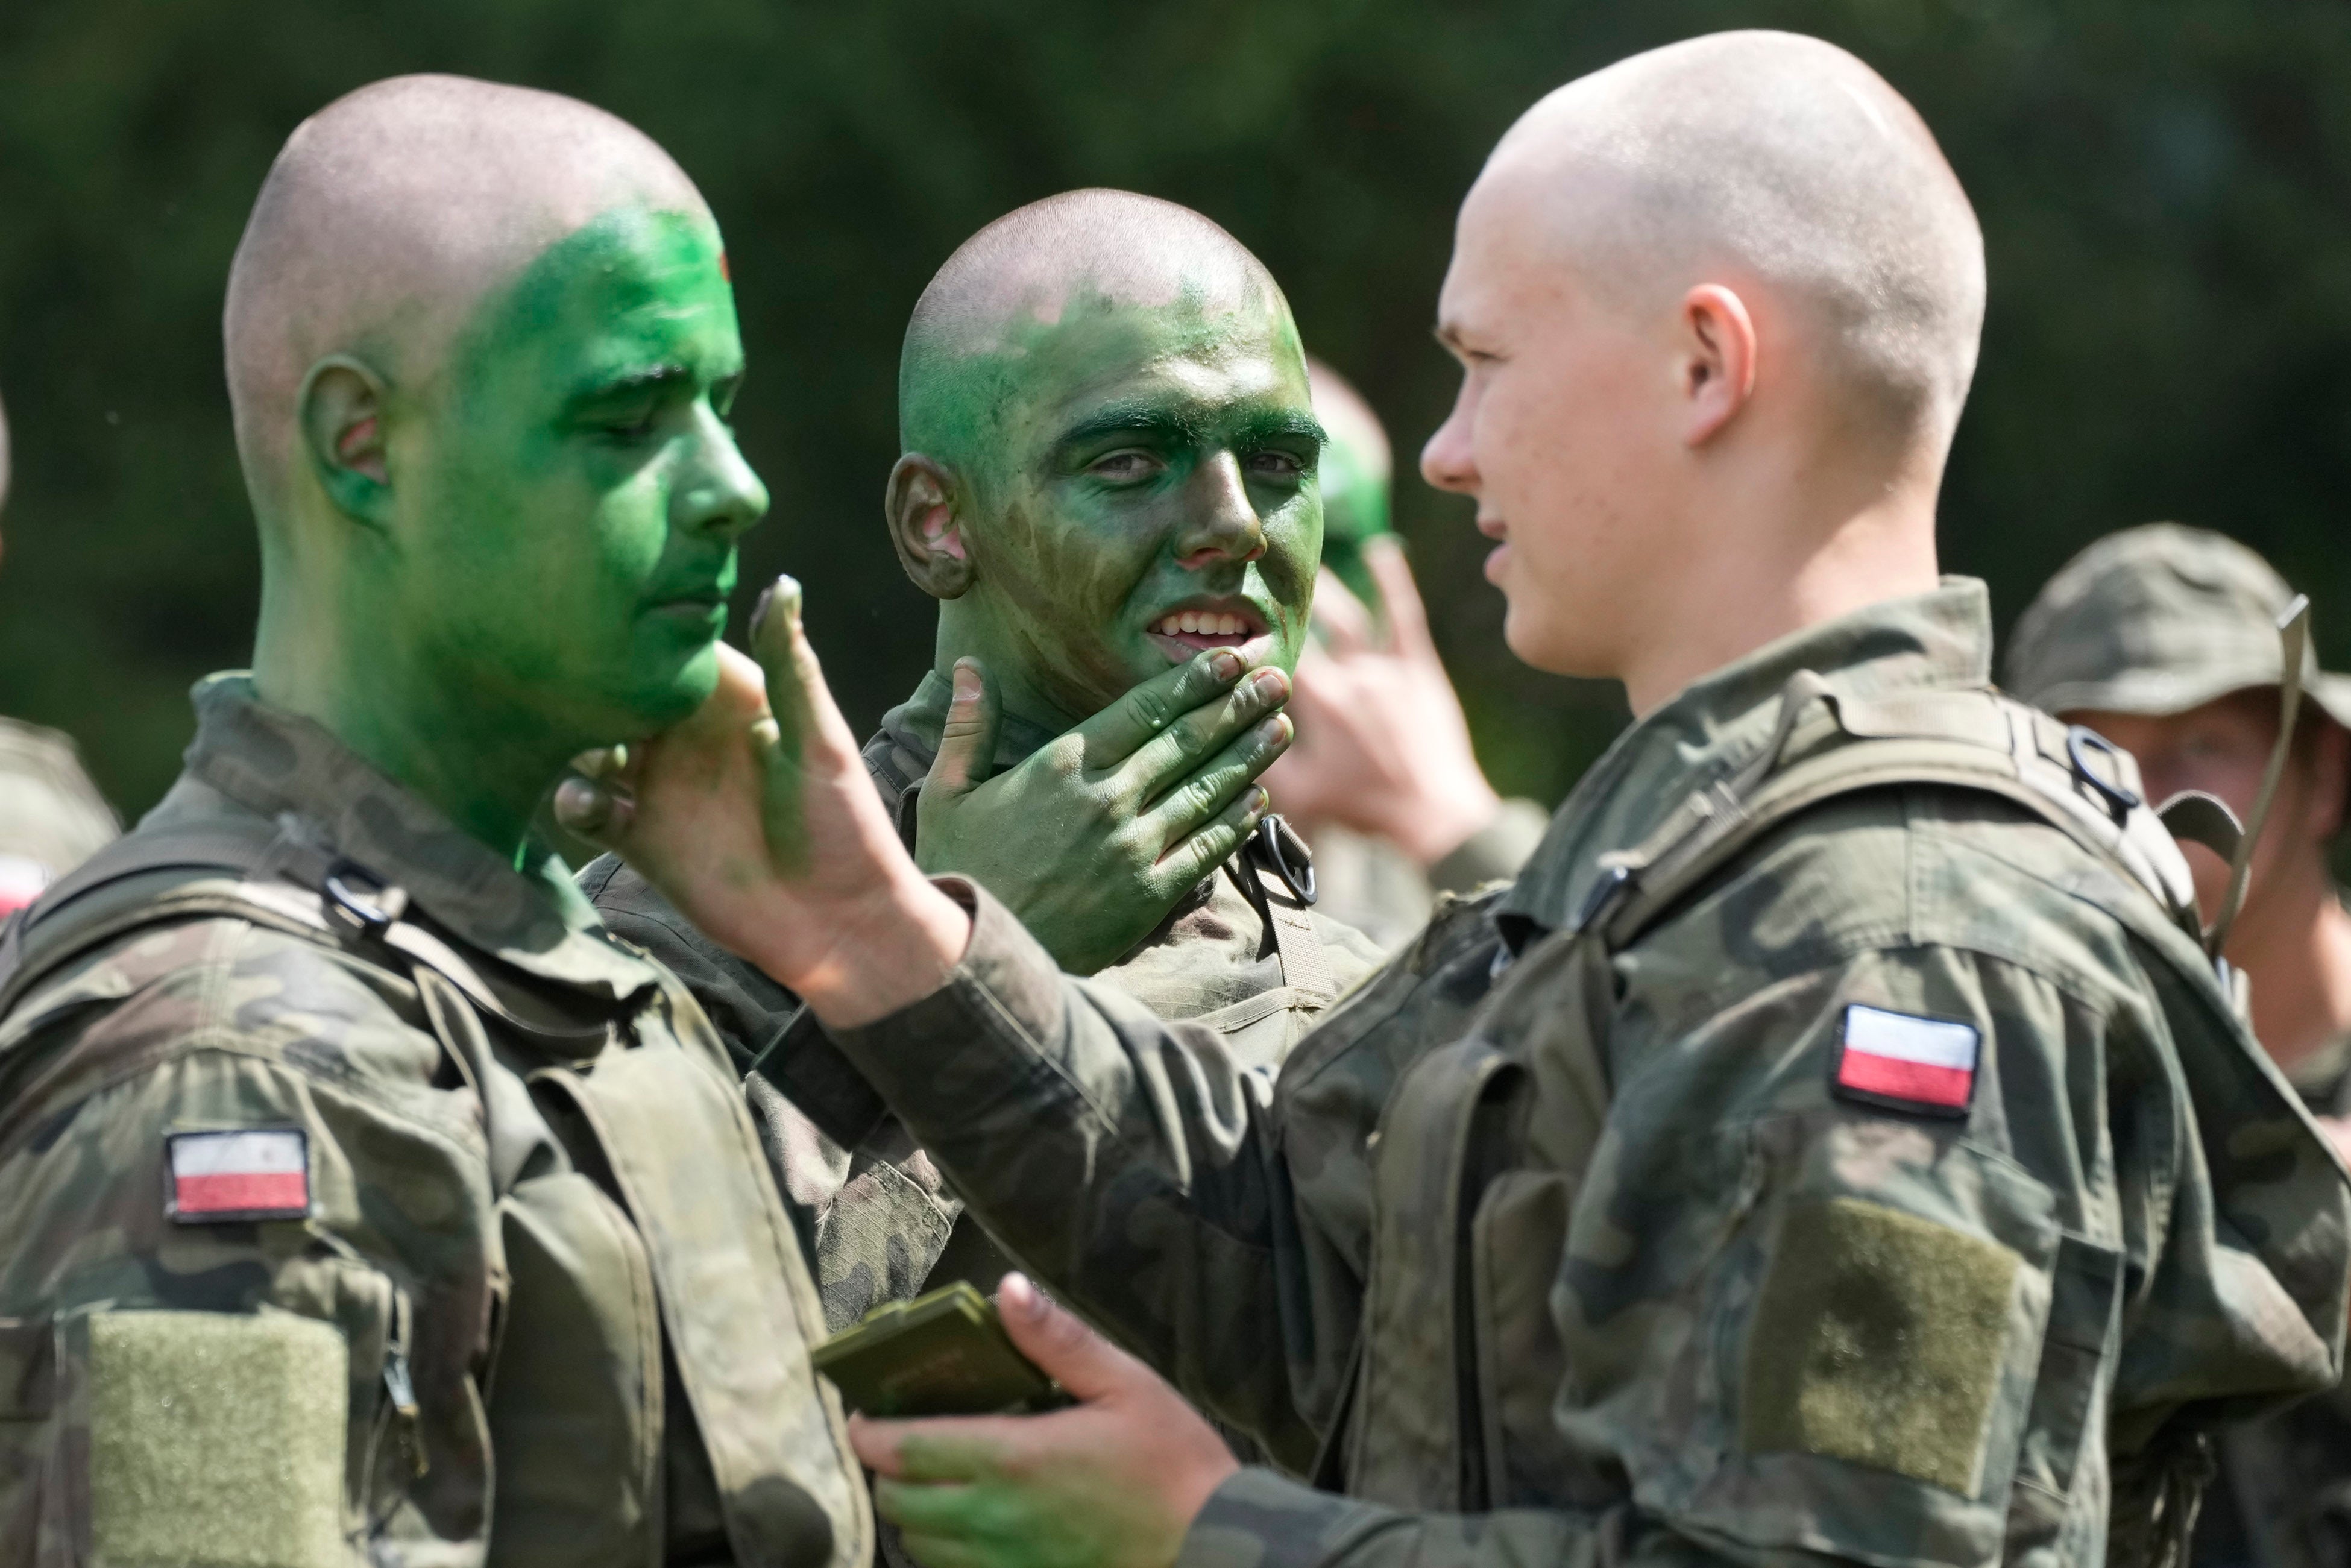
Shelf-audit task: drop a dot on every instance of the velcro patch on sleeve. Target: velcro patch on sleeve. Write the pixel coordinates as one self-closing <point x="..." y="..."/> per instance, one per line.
<point x="245" y="1173"/>
<point x="216" y="1437"/>
<point x="1878" y="1338"/>
<point x="1924" y="1066"/>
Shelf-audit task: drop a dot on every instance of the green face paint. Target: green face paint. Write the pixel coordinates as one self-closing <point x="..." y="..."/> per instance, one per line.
<point x="1122" y="460"/>
<point x="578" y="507"/>
<point x="1355" y="510"/>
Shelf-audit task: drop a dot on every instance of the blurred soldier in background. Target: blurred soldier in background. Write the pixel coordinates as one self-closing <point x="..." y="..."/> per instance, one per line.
<point x="1381" y="781"/>
<point x="2164" y="640"/>
<point x="52" y="818"/>
<point x="1108" y="471"/>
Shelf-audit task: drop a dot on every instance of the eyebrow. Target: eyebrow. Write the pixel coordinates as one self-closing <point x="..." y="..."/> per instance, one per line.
<point x="1187" y="426"/>
<point x="632" y="382"/>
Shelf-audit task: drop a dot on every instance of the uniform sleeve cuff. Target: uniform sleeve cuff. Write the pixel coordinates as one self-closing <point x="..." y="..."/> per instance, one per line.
<point x="1260" y="1519"/>
<point x="1494" y="851"/>
<point x="1002" y="1000"/>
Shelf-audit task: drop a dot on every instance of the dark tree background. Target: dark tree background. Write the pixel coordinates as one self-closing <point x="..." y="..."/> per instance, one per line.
<point x="2166" y="191"/>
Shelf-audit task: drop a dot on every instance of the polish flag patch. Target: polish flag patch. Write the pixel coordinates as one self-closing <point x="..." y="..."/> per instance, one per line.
<point x="251" y="1173"/>
<point x="1927" y="1066"/>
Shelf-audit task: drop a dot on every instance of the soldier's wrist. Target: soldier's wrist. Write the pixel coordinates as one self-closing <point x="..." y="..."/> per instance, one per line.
<point x="888" y="949"/>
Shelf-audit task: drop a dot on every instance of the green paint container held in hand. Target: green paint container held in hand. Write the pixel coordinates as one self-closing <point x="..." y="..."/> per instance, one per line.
<point x="944" y="1354"/>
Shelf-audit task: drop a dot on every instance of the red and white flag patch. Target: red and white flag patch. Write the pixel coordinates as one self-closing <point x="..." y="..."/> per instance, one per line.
<point x="249" y="1173"/>
<point x="1923" y="1065"/>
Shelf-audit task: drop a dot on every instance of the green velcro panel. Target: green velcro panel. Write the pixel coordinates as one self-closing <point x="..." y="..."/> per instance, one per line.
<point x="1878" y="1337"/>
<point x="217" y="1439"/>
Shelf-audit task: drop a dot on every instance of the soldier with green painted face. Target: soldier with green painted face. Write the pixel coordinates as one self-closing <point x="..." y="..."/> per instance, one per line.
<point x="1110" y="473"/>
<point x="361" y="1198"/>
<point x="52" y="818"/>
<point x="2164" y="639"/>
<point x="1382" y="782"/>
<point x="1837" y="1146"/>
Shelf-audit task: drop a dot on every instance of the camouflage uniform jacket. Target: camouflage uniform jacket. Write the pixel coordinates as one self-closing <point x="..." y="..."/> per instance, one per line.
<point x="368" y="1203"/>
<point x="886" y="1224"/>
<point x="52" y="818"/>
<point x="1905" y="1192"/>
<point x="2283" y="1496"/>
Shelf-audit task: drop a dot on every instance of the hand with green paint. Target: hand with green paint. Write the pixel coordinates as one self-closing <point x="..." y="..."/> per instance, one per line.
<point x="1112" y="1482"/>
<point x="1156" y="787"/>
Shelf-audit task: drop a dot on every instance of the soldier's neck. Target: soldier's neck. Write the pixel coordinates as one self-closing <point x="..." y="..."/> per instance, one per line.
<point x="1041" y="704"/>
<point x="483" y="767"/>
<point x="1821" y="559"/>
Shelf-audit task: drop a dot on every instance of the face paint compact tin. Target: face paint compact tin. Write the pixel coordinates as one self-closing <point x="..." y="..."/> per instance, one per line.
<point x="944" y="1354"/>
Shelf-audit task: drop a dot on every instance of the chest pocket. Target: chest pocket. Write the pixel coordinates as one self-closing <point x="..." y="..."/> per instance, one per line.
<point x="732" y="1292"/>
<point x="1479" y="1161"/>
<point x="576" y="1404"/>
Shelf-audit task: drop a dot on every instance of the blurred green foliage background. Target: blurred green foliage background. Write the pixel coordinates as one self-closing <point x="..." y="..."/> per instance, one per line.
<point x="2166" y="191"/>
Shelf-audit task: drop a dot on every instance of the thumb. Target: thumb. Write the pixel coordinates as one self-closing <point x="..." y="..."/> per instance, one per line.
<point x="1062" y="1345"/>
<point x="967" y="746"/>
<point x="593" y="801"/>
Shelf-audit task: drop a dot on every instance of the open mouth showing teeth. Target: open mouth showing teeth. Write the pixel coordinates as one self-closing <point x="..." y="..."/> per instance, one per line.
<point x="1192" y="630"/>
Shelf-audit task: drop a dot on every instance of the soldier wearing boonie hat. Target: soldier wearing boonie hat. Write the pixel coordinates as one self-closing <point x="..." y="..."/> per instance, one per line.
<point x="2164" y="639"/>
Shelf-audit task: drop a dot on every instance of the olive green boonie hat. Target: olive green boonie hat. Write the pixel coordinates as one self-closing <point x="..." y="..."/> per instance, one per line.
<point x="2158" y="620"/>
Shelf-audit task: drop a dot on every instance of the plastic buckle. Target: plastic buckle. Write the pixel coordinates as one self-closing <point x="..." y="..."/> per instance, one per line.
<point x="2120" y="801"/>
<point x="1289" y="855"/>
<point x="368" y="913"/>
<point x="1612" y="880"/>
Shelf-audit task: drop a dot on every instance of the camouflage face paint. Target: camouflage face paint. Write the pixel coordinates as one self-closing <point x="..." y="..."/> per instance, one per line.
<point x="1119" y="457"/>
<point x="573" y="500"/>
<point x="1354" y="511"/>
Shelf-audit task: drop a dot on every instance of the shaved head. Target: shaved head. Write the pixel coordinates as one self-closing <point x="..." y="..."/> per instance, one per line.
<point x="1789" y="161"/>
<point x="1025" y="271"/>
<point x="388" y="216"/>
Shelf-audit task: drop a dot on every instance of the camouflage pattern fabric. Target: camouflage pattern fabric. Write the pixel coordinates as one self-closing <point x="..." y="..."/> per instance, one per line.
<point x="2158" y="620"/>
<point x="514" y="1284"/>
<point x="2281" y="1497"/>
<point x="52" y="818"/>
<point x="1369" y="884"/>
<point x="884" y="1223"/>
<point x="1710" y="1299"/>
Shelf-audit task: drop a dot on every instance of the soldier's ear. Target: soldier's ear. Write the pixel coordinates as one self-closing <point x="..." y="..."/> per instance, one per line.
<point x="925" y="505"/>
<point x="342" y="411"/>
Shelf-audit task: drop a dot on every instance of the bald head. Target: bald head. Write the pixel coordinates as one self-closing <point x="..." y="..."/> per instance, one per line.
<point x="1784" y="159"/>
<point x="1030" y="269"/>
<point x="391" y="213"/>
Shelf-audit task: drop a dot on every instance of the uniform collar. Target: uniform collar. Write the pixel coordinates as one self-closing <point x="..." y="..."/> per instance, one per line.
<point x="916" y="725"/>
<point x="280" y="765"/>
<point x="1719" y="723"/>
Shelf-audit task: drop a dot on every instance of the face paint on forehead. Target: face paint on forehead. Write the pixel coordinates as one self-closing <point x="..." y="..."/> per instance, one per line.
<point x="579" y="495"/>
